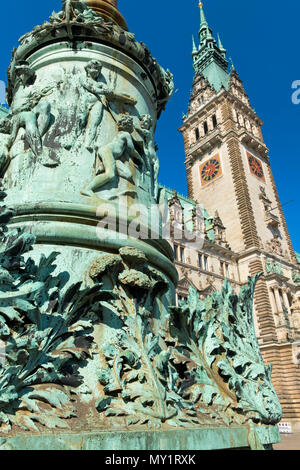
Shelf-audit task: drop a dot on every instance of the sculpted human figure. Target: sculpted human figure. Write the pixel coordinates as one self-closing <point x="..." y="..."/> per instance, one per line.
<point x="72" y="9"/>
<point x="96" y="100"/>
<point x="29" y="112"/>
<point x="69" y="13"/>
<point x="146" y="131"/>
<point x="269" y="266"/>
<point x="109" y="154"/>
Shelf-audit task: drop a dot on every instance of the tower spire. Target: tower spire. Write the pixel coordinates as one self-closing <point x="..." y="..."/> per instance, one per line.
<point x="205" y="32"/>
<point x="220" y="45"/>
<point x="210" y="59"/>
<point x="203" y="21"/>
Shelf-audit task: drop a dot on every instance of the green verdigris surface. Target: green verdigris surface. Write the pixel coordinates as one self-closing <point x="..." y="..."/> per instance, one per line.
<point x="209" y="59"/>
<point x="90" y="335"/>
<point x="296" y="277"/>
<point x="272" y="267"/>
<point x="202" y="364"/>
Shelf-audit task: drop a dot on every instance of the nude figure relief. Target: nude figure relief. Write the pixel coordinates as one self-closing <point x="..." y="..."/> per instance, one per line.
<point x="122" y="146"/>
<point x="29" y="111"/>
<point x="97" y="98"/>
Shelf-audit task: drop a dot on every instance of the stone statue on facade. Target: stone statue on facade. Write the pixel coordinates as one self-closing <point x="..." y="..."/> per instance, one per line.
<point x="109" y="154"/>
<point x="296" y="277"/>
<point x="273" y="268"/>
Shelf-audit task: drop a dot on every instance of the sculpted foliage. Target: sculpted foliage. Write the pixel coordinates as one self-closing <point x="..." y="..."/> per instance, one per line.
<point x="224" y="366"/>
<point x="197" y="363"/>
<point x="204" y="364"/>
<point x="44" y="335"/>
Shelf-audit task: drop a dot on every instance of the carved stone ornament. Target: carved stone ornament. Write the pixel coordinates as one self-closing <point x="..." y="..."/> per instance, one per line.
<point x="275" y="246"/>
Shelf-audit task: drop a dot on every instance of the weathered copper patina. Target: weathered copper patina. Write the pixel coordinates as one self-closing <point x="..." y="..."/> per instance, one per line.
<point x="108" y="9"/>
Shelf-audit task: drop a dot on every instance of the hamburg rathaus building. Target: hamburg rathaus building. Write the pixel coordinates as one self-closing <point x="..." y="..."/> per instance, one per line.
<point x="229" y="174"/>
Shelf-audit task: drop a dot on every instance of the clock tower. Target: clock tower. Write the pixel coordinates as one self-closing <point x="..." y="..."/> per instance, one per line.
<point x="228" y="171"/>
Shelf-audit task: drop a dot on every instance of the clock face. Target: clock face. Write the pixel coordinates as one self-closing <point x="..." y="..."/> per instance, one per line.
<point x="256" y="167"/>
<point x="210" y="170"/>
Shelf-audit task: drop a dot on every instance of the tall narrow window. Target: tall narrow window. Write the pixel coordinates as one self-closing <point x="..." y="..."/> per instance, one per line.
<point x="176" y="252"/>
<point x="222" y="268"/>
<point x="182" y="254"/>
<point x="227" y="270"/>
<point x="205" y="259"/>
<point x="214" y="121"/>
<point x="205" y="127"/>
<point x="200" y="261"/>
<point x="197" y="133"/>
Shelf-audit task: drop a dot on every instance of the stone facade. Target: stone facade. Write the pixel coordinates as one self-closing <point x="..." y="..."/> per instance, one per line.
<point x="229" y="173"/>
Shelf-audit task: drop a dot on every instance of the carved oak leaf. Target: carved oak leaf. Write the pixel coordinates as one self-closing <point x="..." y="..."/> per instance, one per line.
<point x="218" y="335"/>
<point x="46" y="332"/>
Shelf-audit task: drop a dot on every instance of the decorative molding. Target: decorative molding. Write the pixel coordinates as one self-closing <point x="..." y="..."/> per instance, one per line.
<point x="283" y="221"/>
<point x="262" y="303"/>
<point x="246" y="213"/>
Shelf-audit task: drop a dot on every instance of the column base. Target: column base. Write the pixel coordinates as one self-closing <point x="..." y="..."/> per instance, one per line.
<point x="204" y="438"/>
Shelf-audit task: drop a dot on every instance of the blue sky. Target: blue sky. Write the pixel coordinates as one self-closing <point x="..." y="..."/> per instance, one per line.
<point x="261" y="37"/>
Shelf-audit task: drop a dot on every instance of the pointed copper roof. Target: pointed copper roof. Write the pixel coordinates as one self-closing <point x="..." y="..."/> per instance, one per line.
<point x="210" y="59"/>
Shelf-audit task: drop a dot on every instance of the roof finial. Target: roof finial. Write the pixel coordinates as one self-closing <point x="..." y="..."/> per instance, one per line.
<point x="232" y="67"/>
<point x="220" y="45"/>
<point x="202" y="15"/>
<point x="205" y="31"/>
